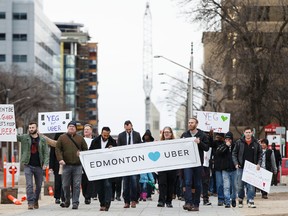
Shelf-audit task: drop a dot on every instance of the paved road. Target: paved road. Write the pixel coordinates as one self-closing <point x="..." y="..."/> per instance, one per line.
<point x="148" y="208"/>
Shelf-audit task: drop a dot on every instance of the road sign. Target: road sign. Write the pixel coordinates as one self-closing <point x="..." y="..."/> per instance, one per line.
<point x="11" y="169"/>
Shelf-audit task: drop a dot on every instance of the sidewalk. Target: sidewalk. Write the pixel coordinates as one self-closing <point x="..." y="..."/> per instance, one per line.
<point x="276" y="205"/>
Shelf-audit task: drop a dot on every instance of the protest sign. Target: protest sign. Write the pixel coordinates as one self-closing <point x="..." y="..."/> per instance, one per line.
<point x="8" y="130"/>
<point x="258" y="178"/>
<point x="218" y="122"/>
<point x="140" y="158"/>
<point x="54" y="122"/>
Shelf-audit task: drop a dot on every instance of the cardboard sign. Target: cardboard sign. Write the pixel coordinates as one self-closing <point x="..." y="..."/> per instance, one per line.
<point x="8" y="130"/>
<point x="140" y="158"/>
<point x="54" y="122"/>
<point x="218" y="122"/>
<point x="258" y="178"/>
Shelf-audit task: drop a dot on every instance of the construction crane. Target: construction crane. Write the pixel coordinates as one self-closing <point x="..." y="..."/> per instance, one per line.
<point x="147" y="63"/>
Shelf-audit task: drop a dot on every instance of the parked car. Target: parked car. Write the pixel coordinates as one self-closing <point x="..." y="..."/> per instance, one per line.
<point x="284" y="168"/>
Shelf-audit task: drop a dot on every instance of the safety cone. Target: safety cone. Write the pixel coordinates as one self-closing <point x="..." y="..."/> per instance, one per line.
<point x="14" y="200"/>
<point x="50" y="189"/>
<point x="23" y="198"/>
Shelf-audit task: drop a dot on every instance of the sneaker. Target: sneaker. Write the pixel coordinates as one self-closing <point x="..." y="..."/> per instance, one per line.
<point x="240" y="203"/>
<point x="57" y="201"/>
<point x="133" y="204"/>
<point x="234" y="203"/>
<point x="220" y="203"/>
<point x="118" y="198"/>
<point x="36" y="205"/>
<point x="87" y="201"/>
<point x="30" y="207"/>
<point x="169" y="205"/>
<point x="227" y="206"/>
<point x="206" y="203"/>
<point x="251" y="205"/>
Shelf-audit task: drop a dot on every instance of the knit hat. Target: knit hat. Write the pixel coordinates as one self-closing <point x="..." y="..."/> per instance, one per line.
<point x="229" y="135"/>
<point x="72" y="123"/>
<point x="148" y="133"/>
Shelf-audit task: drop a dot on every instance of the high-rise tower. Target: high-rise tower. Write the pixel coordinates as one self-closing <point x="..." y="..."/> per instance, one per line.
<point x="147" y="63"/>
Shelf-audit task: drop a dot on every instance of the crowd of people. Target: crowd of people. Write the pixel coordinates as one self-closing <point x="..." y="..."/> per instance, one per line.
<point x="221" y="176"/>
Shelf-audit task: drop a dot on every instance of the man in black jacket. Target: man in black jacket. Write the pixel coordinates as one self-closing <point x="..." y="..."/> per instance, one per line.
<point x="104" y="185"/>
<point x="278" y="160"/>
<point x="130" y="183"/>
<point x="194" y="174"/>
<point x="246" y="148"/>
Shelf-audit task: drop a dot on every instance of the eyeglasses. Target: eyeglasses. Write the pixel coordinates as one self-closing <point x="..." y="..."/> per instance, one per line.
<point x="167" y="132"/>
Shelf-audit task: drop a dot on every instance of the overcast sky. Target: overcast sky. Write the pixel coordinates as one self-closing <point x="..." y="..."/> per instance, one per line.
<point x="117" y="27"/>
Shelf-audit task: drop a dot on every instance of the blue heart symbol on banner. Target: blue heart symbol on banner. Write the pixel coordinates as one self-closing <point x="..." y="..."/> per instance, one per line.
<point x="154" y="156"/>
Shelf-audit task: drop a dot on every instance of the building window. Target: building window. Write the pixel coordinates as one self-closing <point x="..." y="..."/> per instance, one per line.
<point x="19" y="58"/>
<point x="2" y="36"/>
<point x="2" y="15"/>
<point x="20" y="16"/>
<point x="70" y="74"/>
<point x="2" y="58"/>
<point x="19" y="37"/>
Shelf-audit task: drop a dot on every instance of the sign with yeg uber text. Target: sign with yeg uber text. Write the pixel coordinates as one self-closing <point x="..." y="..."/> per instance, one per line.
<point x="54" y="122"/>
<point x="140" y="158"/>
<point x="218" y="122"/>
<point x="8" y="130"/>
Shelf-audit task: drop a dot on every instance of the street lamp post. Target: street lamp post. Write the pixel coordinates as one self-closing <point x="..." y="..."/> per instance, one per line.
<point x="190" y="79"/>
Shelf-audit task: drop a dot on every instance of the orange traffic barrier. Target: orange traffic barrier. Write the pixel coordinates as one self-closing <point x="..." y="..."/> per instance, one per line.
<point x="50" y="189"/>
<point x="23" y="198"/>
<point x="47" y="174"/>
<point x="5" y="172"/>
<point x="14" y="200"/>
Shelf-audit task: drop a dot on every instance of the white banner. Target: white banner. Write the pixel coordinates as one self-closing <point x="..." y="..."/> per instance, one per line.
<point x="258" y="178"/>
<point x="218" y="122"/>
<point x="8" y="130"/>
<point x="54" y="122"/>
<point x="140" y="158"/>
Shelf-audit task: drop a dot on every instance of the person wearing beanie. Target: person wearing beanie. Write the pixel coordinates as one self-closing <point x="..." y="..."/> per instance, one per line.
<point x="268" y="161"/>
<point x="228" y="170"/>
<point x="67" y="151"/>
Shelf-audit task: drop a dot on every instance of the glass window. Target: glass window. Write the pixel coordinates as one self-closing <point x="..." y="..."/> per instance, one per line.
<point x="19" y="16"/>
<point x="19" y="37"/>
<point x="2" y="15"/>
<point x="70" y="74"/>
<point x="92" y="66"/>
<point x="19" y="58"/>
<point x="70" y="60"/>
<point x="70" y="87"/>
<point x="2" y="36"/>
<point x="2" y="58"/>
<point x="70" y="100"/>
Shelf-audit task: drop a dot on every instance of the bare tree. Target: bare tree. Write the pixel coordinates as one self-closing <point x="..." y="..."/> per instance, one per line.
<point x="248" y="47"/>
<point x="29" y="94"/>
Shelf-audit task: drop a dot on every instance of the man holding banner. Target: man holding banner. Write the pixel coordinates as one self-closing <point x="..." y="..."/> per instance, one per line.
<point x="194" y="174"/>
<point x="130" y="183"/>
<point x="246" y="148"/>
<point x="35" y="157"/>
<point x="104" y="186"/>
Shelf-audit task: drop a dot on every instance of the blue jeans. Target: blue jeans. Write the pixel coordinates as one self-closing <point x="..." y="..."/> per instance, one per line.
<point x="130" y="192"/>
<point x="37" y="172"/>
<point x="219" y="186"/>
<point x="193" y="175"/>
<point x="241" y="184"/>
<point x="72" y="173"/>
<point x="230" y="185"/>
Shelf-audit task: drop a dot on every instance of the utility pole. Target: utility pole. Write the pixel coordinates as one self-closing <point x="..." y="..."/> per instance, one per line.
<point x="190" y="86"/>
